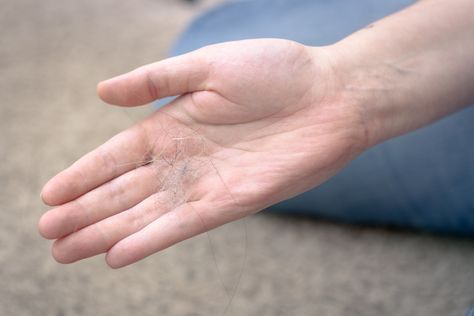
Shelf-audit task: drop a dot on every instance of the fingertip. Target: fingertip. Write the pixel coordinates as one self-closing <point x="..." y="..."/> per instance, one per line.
<point x="47" y="195"/>
<point x="54" y="194"/>
<point x="105" y="91"/>
<point x="122" y="254"/>
<point x="122" y="90"/>
<point x="112" y="263"/>
<point x="51" y="226"/>
<point x="58" y="255"/>
<point x="44" y="227"/>
<point x="61" y="188"/>
<point x="100" y="89"/>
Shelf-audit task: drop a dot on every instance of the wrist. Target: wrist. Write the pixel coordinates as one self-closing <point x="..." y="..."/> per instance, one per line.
<point x="405" y="71"/>
<point x="375" y="87"/>
<point x="349" y="88"/>
<point x="333" y="102"/>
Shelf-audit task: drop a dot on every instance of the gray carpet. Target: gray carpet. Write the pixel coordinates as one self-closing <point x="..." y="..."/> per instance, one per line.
<point x="52" y="53"/>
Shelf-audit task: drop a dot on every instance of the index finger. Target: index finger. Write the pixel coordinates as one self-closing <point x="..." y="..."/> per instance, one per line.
<point x="120" y="154"/>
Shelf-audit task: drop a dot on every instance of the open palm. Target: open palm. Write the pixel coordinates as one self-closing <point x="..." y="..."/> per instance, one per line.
<point x="256" y="122"/>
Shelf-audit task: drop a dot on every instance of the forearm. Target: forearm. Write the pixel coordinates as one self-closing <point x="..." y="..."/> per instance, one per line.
<point x="411" y="68"/>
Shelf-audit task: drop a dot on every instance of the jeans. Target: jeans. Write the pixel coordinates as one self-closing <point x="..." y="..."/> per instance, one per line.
<point x="470" y="312"/>
<point x="423" y="180"/>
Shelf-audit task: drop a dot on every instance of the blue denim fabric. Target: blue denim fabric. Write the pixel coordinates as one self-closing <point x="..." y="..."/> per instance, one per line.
<point x="470" y="312"/>
<point x="423" y="180"/>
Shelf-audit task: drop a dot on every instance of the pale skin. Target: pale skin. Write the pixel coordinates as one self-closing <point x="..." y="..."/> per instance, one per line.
<point x="256" y="122"/>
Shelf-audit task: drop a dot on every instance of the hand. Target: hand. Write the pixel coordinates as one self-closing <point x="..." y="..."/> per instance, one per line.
<point x="256" y="122"/>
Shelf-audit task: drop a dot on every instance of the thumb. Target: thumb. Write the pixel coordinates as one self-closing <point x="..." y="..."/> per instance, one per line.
<point x="173" y="76"/>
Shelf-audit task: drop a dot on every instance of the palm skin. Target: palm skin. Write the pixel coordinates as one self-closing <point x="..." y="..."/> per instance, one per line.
<point x="256" y="122"/>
